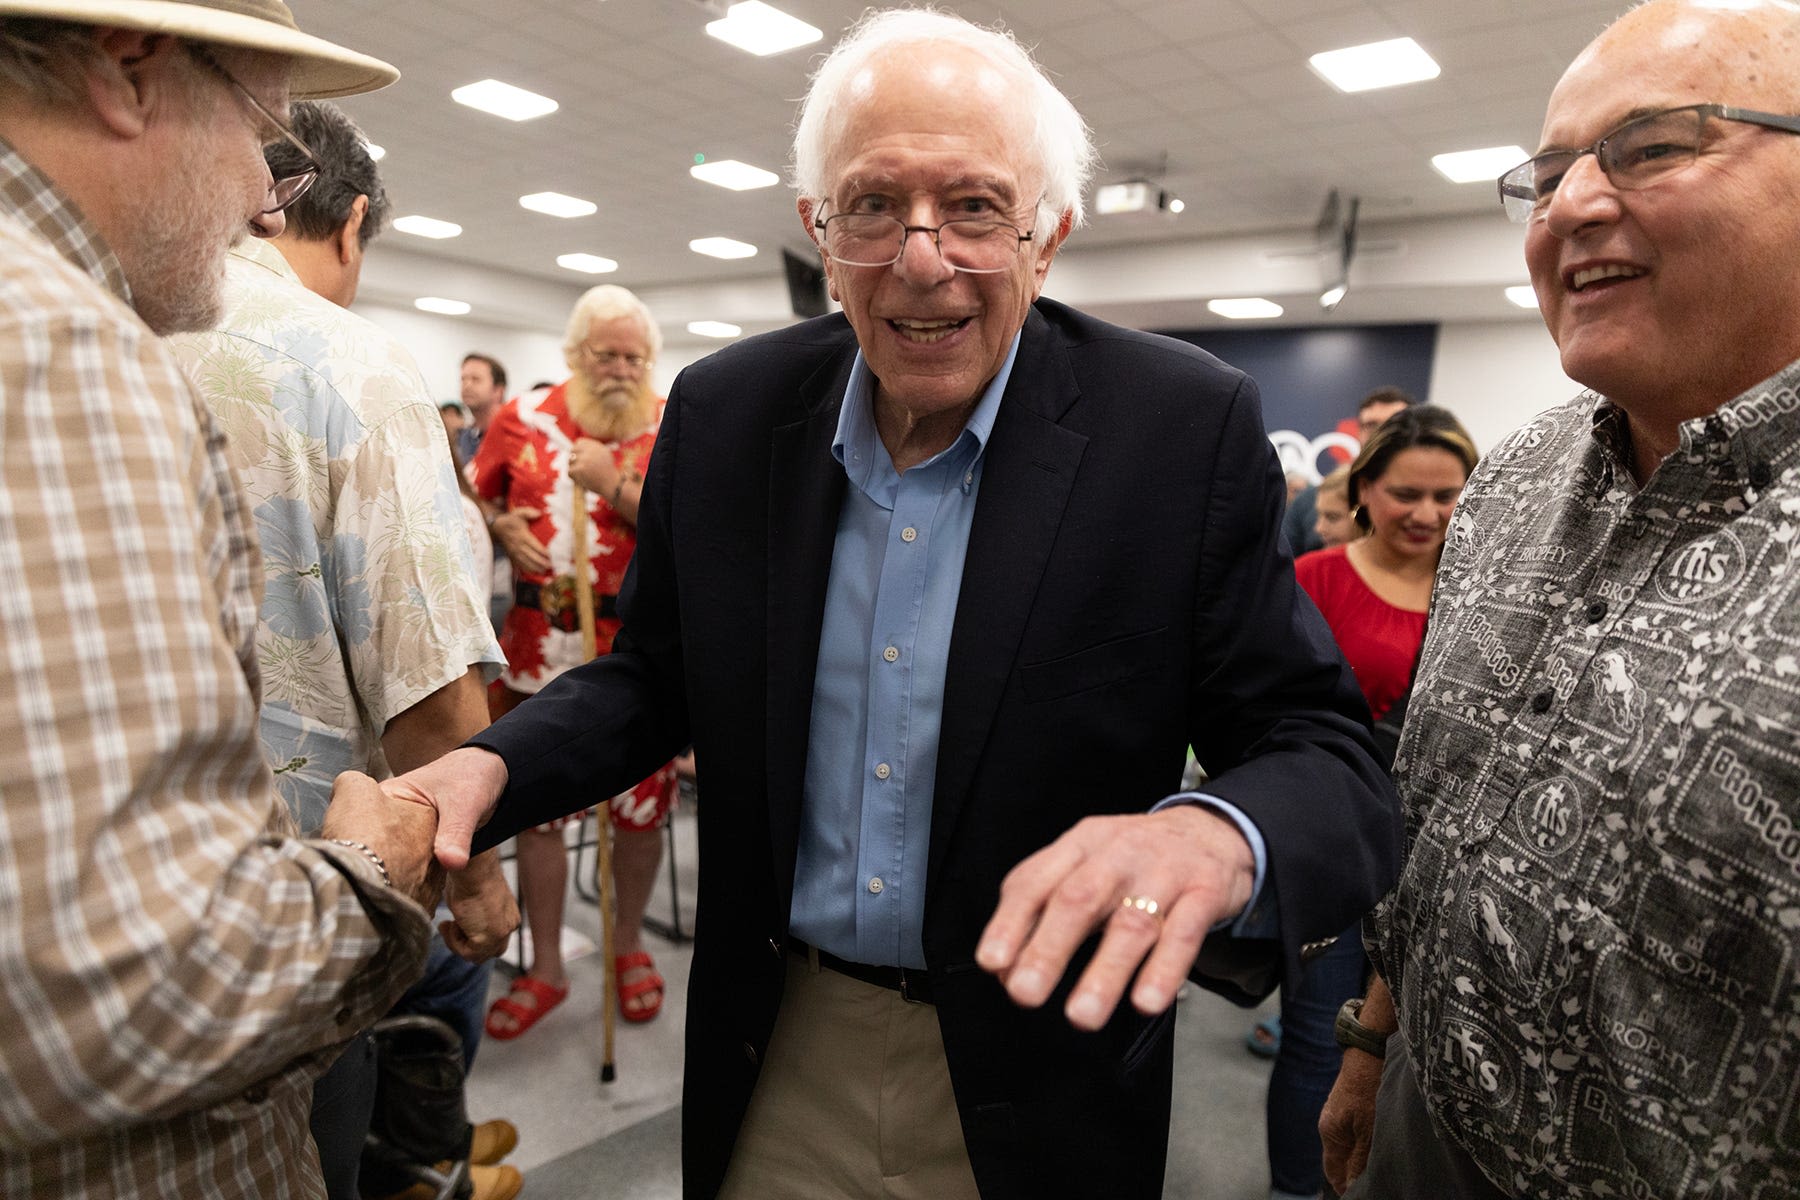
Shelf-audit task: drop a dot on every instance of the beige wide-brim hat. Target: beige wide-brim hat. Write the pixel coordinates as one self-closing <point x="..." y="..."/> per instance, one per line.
<point x="321" y="68"/>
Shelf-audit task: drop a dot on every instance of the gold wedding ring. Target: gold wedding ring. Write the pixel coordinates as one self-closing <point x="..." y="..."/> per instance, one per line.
<point x="1144" y="905"/>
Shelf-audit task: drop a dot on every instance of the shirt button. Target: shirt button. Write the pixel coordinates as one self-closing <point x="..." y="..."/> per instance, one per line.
<point x="908" y="534"/>
<point x="1761" y="474"/>
<point x="875" y="886"/>
<point x="890" y="654"/>
<point x="750" y="1053"/>
<point x="1542" y="701"/>
<point x="882" y="770"/>
<point x="1596" y="612"/>
<point x="256" y="1093"/>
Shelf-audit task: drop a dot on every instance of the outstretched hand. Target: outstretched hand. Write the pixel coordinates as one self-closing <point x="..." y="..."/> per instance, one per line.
<point x="462" y="787"/>
<point x="1191" y="862"/>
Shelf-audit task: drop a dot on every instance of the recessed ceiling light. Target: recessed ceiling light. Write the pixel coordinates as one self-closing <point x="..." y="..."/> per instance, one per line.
<point x="441" y="306"/>
<point x="1524" y="295"/>
<point x="556" y="204"/>
<point x="1376" y="65"/>
<point x="377" y="153"/>
<point x="504" y="100"/>
<point x="587" y="264"/>
<point x="722" y="247"/>
<point x="427" y="227"/>
<point x="762" y="30"/>
<point x="1132" y="195"/>
<point x="1478" y="166"/>
<point x="1247" y="308"/>
<point x="718" y="329"/>
<point x="730" y="173"/>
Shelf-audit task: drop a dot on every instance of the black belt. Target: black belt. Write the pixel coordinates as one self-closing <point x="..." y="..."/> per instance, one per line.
<point x="913" y="984"/>
<point x="556" y="600"/>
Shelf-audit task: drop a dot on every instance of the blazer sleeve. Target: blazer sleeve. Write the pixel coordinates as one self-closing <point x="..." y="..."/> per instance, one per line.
<point x="600" y="728"/>
<point x="1279" y="724"/>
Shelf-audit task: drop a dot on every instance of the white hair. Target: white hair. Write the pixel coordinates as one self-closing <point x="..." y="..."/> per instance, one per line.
<point x="1061" y="142"/>
<point x="608" y="302"/>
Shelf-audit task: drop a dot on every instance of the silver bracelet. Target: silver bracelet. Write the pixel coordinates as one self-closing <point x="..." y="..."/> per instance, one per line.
<point x="367" y="853"/>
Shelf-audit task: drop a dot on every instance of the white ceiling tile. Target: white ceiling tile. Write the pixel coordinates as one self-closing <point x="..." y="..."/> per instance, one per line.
<point x="1220" y="87"/>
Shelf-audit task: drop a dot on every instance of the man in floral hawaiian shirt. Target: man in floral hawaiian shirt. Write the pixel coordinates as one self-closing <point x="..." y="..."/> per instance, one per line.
<point x="373" y="639"/>
<point x="1594" y="950"/>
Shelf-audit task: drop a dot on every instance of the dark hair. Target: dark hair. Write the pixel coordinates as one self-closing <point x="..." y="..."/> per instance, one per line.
<point x="1385" y="395"/>
<point x="345" y="172"/>
<point x="493" y="366"/>
<point x="1420" y="425"/>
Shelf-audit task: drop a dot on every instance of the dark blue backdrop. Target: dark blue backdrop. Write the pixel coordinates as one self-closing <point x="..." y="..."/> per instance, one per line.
<point x="1313" y="378"/>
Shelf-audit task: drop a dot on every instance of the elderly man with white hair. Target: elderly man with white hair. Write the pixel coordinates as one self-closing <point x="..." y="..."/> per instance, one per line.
<point x="566" y="467"/>
<point x="941" y="589"/>
<point x="176" y="963"/>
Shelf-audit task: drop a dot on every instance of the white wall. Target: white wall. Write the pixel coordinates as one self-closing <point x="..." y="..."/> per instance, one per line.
<point x="1495" y="375"/>
<point x="439" y="344"/>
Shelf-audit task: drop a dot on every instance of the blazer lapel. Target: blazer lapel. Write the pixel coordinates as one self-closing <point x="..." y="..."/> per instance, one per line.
<point x="1028" y="471"/>
<point x="806" y="491"/>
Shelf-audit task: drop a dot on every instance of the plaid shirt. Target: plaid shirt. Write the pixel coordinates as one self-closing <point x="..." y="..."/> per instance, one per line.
<point x="174" y="971"/>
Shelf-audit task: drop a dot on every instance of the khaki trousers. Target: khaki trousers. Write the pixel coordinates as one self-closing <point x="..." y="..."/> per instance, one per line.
<point x="854" y="1100"/>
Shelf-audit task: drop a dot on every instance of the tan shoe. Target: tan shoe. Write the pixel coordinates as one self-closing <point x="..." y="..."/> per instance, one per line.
<point x="485" y="1183"/>
<point x="493" y="1141"/>
<point x="495" y="1183"/>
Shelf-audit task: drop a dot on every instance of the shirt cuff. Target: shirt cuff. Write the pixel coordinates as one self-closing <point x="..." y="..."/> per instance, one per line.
<point x="1260" y="918"/>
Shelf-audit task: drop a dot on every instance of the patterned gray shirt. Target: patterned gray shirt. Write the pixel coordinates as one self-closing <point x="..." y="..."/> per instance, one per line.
<point x="1594" y="941"/>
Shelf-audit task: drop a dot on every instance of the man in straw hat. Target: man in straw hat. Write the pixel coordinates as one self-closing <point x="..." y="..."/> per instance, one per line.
<point x="175" y="965"/>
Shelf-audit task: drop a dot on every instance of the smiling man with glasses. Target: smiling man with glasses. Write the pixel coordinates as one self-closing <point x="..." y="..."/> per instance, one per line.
<point x="1591" y="966"/>
<point x="941" y="589"/>
<point x="177" y="962"/>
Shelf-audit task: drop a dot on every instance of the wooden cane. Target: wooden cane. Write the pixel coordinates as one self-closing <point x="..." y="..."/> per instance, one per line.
<point x="579" y="528"/>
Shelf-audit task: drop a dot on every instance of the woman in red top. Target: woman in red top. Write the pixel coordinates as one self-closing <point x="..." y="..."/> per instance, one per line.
<point x="1373" y="592"/>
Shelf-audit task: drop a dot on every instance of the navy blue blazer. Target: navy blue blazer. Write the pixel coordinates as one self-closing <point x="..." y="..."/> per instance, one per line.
<point x="1126" y="594"/>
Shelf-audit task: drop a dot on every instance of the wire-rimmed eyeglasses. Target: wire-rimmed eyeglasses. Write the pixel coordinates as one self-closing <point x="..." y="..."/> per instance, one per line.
<point x="1635" y="155"/>
<point x="609" y="358"/>
<point x="289" y="188"/>
<point x="980" y="247"/>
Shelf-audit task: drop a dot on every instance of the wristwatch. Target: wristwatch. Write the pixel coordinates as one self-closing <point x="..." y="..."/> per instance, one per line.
<point x="1352" y="1034"/>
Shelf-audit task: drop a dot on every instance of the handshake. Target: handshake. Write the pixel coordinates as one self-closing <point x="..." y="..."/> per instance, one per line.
<point x="420" y="825"/>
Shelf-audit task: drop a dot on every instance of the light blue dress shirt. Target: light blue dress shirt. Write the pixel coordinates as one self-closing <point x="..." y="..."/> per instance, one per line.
<point x="878" y="690"/>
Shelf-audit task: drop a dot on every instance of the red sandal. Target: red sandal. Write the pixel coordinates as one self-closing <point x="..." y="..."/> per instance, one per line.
<point x="523" y="1016"/>
<point x="632" y="993"/>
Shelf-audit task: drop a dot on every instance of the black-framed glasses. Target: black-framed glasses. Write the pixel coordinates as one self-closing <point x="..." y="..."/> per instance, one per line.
<point x="980" y="247"/>
<point x="289" y="188"/>
<point x="608" y="358"/>
<point x="1635" y="155"/>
